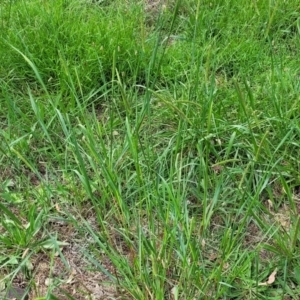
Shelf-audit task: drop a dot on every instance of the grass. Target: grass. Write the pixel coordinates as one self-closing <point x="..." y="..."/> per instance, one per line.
<point x="162" y="140"/>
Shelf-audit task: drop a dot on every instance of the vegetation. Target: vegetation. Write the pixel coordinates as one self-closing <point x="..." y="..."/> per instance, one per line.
<point x="152" y="147"/>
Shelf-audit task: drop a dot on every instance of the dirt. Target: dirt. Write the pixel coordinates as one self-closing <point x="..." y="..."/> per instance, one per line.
<point x="65" y="273"/>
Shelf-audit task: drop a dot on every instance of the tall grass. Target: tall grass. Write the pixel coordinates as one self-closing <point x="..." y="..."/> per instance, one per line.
<point x="178" y="125"/>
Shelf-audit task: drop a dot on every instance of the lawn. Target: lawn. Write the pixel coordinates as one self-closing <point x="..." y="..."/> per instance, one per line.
<point x="149" y="149"/>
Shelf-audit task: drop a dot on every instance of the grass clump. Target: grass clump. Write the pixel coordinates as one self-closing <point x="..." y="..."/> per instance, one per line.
<point x="150" y="146"/>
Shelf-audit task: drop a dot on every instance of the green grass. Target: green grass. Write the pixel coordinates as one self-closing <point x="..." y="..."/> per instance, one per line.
<point x="176" y="127"/>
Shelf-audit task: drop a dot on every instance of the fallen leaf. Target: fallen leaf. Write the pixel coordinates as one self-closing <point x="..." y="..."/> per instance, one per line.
<point x="271" y="279"/>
